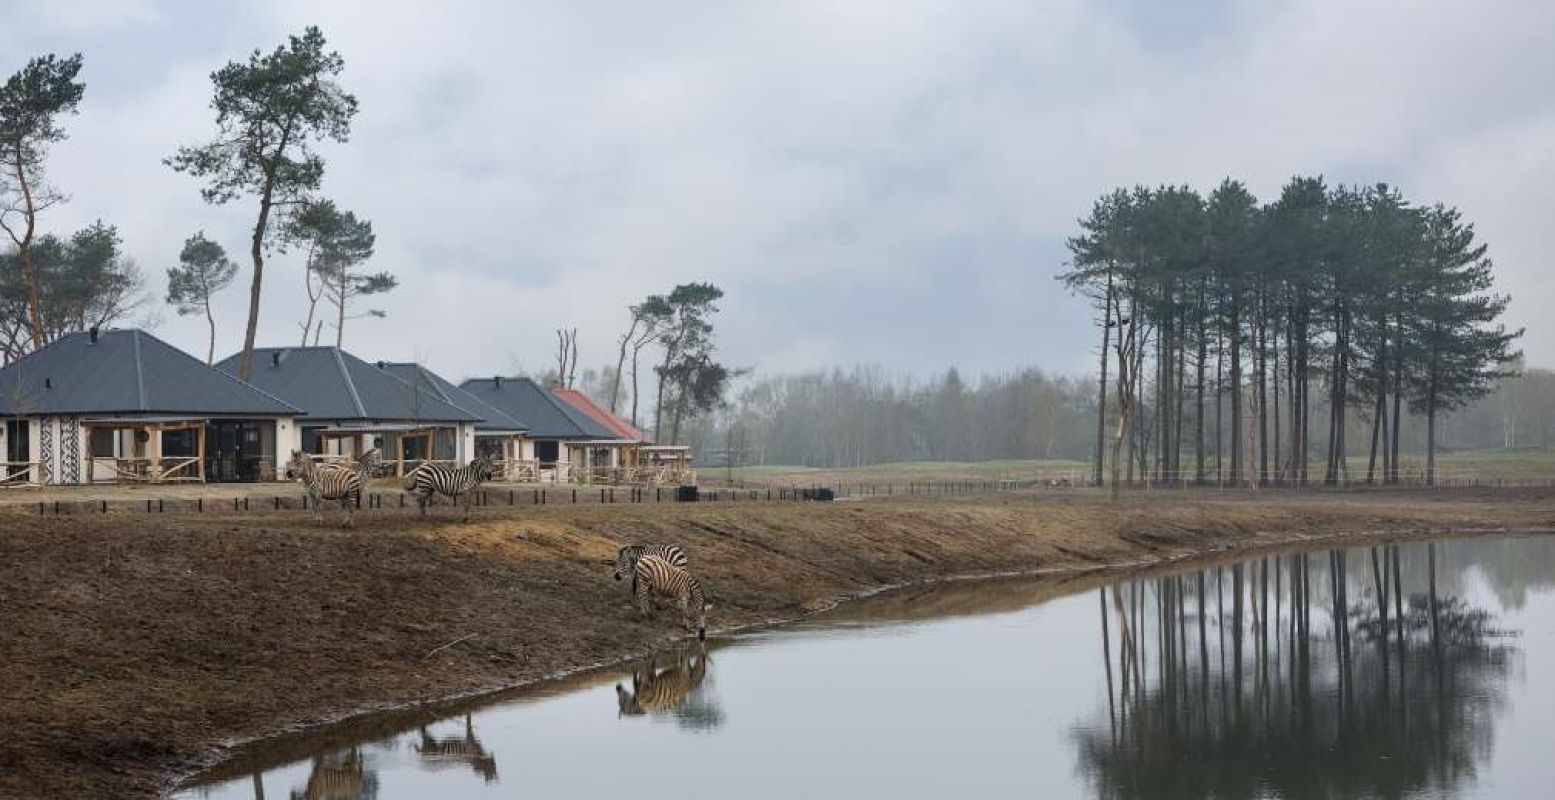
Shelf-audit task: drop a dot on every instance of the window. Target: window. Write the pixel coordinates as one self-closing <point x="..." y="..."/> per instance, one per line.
<point x="180" y="444"/>
<point x="103" y="440"/>
<point x="545" y="452"/>
<point x="17" y="441"/>
<point x="443" y="448"/>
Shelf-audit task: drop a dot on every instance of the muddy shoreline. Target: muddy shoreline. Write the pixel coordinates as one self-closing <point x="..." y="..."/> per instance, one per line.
<point x="242" y="756"/>
<point x="299" y="625"/>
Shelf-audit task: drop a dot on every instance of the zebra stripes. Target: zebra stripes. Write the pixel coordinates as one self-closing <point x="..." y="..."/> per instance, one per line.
<point x="657" y="576"/>
<point x="627" y="557"/>
<point x="428" y="478"/>
<point x="466" y="749"/>
<point x="658" y="691"/>
<point x="333" y="481"/>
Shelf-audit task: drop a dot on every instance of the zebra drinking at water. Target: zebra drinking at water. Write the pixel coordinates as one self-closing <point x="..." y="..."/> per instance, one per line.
<point x="455" y="483"/>
<point x="627" y="557"/>
<point x="333" y="481"/>
<point x="657" y="576"/>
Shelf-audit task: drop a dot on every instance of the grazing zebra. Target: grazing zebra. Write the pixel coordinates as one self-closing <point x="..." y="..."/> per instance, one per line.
<point x="626" y="559"/>
<point x="656" y="691"/>
<point x="657" y="576"/>
<point x="464" y="749"/>
<point x="333" y="481"/>
<point x="428" y="478"/>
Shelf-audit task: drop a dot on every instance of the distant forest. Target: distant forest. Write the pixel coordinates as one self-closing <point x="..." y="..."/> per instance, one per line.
<point x="866" y="415"/>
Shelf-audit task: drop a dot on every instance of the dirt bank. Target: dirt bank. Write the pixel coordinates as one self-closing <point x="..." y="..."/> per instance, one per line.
<point x="133" y="647"/>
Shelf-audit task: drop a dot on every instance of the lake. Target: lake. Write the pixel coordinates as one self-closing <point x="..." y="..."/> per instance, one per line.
<point x="1392" y="672"/>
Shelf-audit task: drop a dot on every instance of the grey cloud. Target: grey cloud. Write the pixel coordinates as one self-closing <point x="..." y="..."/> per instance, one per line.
<point x="870" y="181"/>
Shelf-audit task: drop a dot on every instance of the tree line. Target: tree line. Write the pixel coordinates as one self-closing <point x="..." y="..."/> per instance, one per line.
<point x="1228" y="328"/>
<point x="865" y="415"/>
<point x="272" y="111"/>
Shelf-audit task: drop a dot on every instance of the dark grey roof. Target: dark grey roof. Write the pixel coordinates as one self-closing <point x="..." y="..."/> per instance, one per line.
<point x="529" y="402"/>
<point x="492" y="418"/>
<point x="125" y="372"/>
<point x="328" y="383"/>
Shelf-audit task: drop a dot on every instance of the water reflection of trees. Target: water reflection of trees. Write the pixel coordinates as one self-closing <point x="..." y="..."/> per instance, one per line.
<point x="678" y="690"/>
<point x="1269" y="678"/>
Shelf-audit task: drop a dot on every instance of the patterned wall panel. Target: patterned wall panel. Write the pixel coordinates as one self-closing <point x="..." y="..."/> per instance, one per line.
<point x="70" y="450"/>
<point x="46" y="448"/>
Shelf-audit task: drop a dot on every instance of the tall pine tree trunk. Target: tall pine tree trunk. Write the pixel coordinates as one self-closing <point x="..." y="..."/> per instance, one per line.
<point x="1263" y="397"/>
<point x="1430" y="430"/>
<point x="1398" y="392"/>
<point x="1236" y="394"/>
<point x="1198" y="421"/>
<point x="1101" y="399"/>
<point x="257" y="253"/>
<point x="1278" y="471"/>
<point x="1220" y="394"/>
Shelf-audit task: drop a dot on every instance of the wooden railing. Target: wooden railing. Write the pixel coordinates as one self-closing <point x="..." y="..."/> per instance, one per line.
<point x="531" y="471"/>
<point x="23" y="473"/>
<point x="515" y="470"/>
<point x="171" y="469"/>
<point x="642" y="475"/>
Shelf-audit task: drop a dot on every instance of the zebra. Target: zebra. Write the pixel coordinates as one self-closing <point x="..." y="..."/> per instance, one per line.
<point x="657" y="576"/>
<point x="336" y="776"/>
<point x="428" y="478"/>
<point x="465" y="749"/>
<point x="626" y="559"/>
<point x="655" y="691"/>
<point x="333" y="481"/>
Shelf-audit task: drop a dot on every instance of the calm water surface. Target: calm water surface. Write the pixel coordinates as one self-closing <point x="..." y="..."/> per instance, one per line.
<point x="1283" y="676"/>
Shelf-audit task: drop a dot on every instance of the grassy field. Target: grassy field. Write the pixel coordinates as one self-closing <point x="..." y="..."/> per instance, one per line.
<point x="1488" y="465"/>
<point x="900" y="472"/>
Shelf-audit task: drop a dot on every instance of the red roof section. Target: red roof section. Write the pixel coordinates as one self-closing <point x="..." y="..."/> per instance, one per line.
<point x="581" y="402"/>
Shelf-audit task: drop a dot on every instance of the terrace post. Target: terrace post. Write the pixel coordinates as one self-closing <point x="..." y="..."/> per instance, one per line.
<point x="154" y="433"/>
<point x="199" y="435"/>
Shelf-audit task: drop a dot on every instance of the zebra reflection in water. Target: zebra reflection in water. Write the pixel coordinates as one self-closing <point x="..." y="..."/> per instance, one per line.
<point x="463" y="750"/>
<point x="336" y="777"/>
<point x="676" y="690"/>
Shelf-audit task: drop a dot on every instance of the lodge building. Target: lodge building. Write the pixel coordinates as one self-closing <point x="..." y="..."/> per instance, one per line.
<point x="122" y="406"/>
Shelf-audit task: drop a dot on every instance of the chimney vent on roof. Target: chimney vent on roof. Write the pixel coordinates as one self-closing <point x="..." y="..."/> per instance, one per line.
<point x="496" y="382"/>
<point x="48" y="383"/>
<point x="92" y="332"/>
<point x="380" y="365"/>
<point x="275" y="358"/>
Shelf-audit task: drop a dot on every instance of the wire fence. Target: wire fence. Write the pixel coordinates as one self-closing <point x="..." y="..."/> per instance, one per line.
<point x="547" y="496"/>
<point x="497" y="497"/>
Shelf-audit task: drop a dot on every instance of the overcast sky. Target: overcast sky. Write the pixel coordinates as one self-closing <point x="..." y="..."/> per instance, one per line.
<point x="884" y="182"/>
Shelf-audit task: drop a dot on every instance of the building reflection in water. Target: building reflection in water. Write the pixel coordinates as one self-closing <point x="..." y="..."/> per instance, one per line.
<point x="1305" y="675"/>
